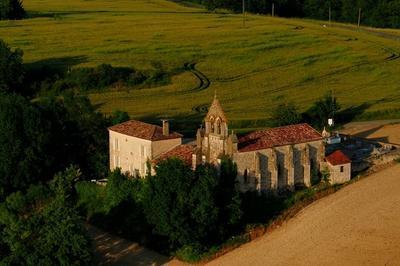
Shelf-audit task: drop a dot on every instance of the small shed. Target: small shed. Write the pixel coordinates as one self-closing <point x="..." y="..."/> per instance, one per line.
<point x="339" y="167"/>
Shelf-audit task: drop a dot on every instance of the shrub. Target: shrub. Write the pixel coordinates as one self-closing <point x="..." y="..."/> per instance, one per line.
<point x="11" y="9"/>
<point x="42" y="226"/>
<point x="11" y="71"/>
<point x="286" y="114"/>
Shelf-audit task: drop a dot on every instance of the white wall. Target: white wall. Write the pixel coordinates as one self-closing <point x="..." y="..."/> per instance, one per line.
<point x="131" y="154"/>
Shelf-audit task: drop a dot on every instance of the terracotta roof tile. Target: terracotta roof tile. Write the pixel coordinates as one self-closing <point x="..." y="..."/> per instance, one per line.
<point x="279" y="136"/>
<point x="143" y="130"/>
<point x="338" y="158"/>
<point x="183" y="152"/>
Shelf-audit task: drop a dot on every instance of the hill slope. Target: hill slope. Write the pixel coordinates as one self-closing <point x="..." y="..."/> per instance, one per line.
<point x="251" y="68"/>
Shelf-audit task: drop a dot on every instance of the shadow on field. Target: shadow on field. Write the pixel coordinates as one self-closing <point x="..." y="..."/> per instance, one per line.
<point x="186" y="124"/>
<point x="50" y="67"/>
<point x="59" y="14"/>
<point x="349" y="114"/>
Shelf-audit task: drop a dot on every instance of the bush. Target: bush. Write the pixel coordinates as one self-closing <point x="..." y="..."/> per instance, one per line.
<point x="286" y="114"/>
<point x="11" y="71"/>
<point x="192" y="208"/>
<point x="11" y="9"/>
<point x="117" y="207"/>
<point x="42" y="226"/>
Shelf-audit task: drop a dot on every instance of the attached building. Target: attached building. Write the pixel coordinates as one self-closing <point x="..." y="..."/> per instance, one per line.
<point x="338" y="166"/>
<point x="134" y="143"/>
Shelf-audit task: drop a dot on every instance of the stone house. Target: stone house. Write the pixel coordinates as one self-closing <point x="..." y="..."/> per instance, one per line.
<point x="338" y="166"/>
<point x="134" y="143"/>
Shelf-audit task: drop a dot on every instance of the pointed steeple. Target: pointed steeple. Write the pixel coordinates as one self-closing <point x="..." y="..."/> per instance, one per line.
<point x="216" y="111"/>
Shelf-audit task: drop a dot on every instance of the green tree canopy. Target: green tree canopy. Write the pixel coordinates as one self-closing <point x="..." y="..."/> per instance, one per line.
<point x="286" y="114"/>
<point x="191" y="208"/>
<point x="41" y="226"/>
<point x="323" y="109"/>
<point x="23" y="140"/>
<point x="11" y="9"/>
<point x="11" y="70"/>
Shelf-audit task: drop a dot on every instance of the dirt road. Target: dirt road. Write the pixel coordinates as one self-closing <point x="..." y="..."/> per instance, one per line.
<point x="359" y="225"/>
<point x="113" y="250"/>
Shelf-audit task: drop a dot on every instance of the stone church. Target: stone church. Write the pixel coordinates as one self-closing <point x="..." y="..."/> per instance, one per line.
<point x="273" y="159"/>
<point x="267" y="160"/>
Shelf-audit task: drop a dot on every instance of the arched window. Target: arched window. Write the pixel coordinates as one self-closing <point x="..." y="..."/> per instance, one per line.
<point x="218" y="127"/>
<point x="212" y="124"/>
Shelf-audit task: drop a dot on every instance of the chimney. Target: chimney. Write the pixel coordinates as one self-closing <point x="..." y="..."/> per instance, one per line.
<point x="165" y="127"/>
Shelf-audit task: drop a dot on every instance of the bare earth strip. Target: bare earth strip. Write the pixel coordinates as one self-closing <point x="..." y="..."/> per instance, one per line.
<point x="384" y="130"/>
<point x="359" y="225"/>
<point x="113" y="250"/>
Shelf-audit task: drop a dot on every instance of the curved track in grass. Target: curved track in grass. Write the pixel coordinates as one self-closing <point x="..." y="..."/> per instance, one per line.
<point x="204" y="82"/>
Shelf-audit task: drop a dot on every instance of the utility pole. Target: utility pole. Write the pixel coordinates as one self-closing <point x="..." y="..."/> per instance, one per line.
<point x="359" y="17"/>
<point x="273" y="9"/>
<point x="244" y="13"/>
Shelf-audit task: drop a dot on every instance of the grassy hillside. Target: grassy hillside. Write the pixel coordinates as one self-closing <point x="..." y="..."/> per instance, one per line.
<point x="252" y="69"/>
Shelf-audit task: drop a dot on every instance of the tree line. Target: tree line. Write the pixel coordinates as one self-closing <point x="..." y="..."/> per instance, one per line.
<point x="383" y="13"/>
<point x="47" y="145"/>
<point x="11" y="9"/>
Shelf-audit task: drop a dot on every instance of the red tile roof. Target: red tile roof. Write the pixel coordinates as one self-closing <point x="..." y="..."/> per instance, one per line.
<point x="338" y="158"/>
<point x="183" y="152"/>
<point x="143" y="130"/>
<point x="279" y="136"/>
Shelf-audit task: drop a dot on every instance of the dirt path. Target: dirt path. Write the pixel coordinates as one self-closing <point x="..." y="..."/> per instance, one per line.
<point x="359" y="225"/>
<point x="112" y="250"/>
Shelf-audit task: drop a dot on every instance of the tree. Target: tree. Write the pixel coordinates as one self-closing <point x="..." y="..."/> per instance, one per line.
<point x="23" y="140"/>
<point x="166" y="201"/>
<point x="194" y="209"/>
<point x="11" y="9"/>
<point x="78" y="134"/>
<point x="118" y="117"/>
<point x="286" y="114"/>
<point x="11" y="71"/>
<point x="42" y="226"/>
<point x="323" y="109"/>
<point x="42" y="138"/>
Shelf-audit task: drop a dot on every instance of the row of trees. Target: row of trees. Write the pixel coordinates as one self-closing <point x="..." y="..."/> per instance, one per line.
<point x="39" y="139"/>
<point x="383" y="13"/>
<point x="11" y="9"/>
<point x="41" y="225"/>
<point x="184" y="211"/>
<point x="317" y="115"/>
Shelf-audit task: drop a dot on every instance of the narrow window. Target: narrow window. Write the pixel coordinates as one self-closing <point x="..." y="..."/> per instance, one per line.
<point x="341" y="169"/>
<point x="218" y="127"/>
<point x="246" y="176"/>
<point x="116" y="145"/>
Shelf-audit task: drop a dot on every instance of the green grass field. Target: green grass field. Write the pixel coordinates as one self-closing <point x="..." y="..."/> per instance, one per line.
<point x="252" y="69"/>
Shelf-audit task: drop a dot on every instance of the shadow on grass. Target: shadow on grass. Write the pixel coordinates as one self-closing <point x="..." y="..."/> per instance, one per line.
<point x="349" y="114"/>
<point x="60" y="14"/>
<point x="50" y="68"/>
<point x="186" y="124"/>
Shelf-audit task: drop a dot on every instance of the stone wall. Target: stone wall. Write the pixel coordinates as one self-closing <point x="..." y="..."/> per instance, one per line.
<point x="338" y="174"/>
<point x="279" y="168"/>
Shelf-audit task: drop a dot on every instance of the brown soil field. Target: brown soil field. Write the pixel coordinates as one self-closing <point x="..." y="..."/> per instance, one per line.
<point x="358" y="225"/>
<point x="386" y="131"/>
